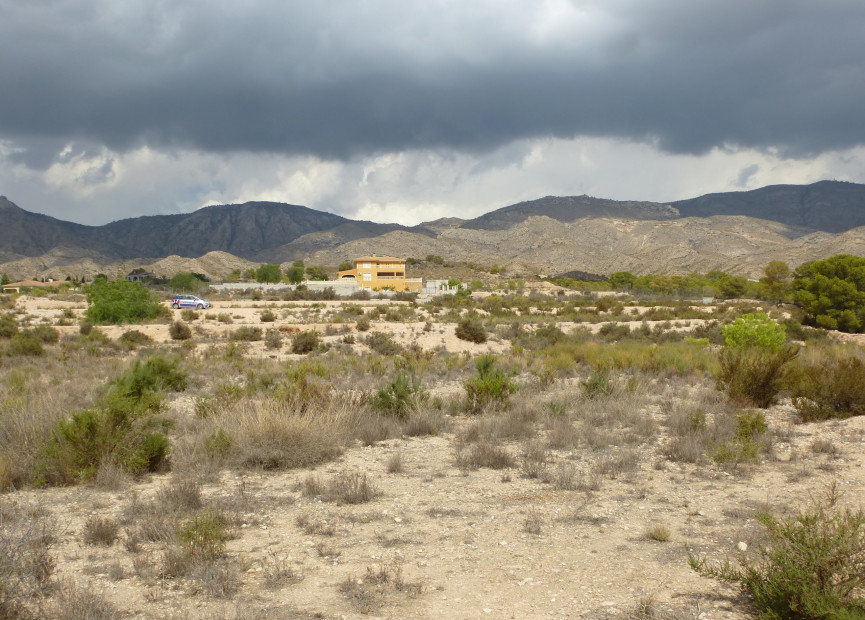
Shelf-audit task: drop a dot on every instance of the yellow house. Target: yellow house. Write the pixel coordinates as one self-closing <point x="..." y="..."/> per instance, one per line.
<point x="377" y="273"/>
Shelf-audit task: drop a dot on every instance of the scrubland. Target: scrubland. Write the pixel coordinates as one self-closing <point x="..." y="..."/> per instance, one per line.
<point x="564" y="457"/>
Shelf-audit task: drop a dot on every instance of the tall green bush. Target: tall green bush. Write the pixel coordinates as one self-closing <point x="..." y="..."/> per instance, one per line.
<point x="491" y="385"/>
<point x="754" y="359"/>
<point x="830" y="389"/>
<point x="120" y="301"/>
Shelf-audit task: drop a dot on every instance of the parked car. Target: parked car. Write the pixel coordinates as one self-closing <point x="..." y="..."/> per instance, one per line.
<point x="189" y="301"/>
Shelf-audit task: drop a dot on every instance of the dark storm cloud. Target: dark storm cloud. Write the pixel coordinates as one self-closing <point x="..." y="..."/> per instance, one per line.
<point x="342" y="78"/>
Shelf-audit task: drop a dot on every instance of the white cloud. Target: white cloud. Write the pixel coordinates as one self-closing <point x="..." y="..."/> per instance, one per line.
<point x="406" y="187"/>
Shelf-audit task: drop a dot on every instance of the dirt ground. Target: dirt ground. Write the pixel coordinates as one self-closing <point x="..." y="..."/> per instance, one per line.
<point x="464" y="544"/>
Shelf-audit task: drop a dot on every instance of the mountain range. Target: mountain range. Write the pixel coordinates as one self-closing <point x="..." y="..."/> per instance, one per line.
<point x="735" y="231"/>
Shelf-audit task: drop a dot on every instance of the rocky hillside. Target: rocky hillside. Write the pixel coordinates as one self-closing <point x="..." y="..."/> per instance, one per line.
<point x="253" y="230"/>
<point x="738" y="232"/>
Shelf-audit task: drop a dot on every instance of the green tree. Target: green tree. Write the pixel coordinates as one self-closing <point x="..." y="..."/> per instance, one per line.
<point x="294" y="274"/>
<point x="186" y="282"/>
<point x="775" y="282"/>
<point x="120" y="301"/>
<point x="268" y="272"/>
<point x="235" y="275"/>
<point x="832" y="292"/>
<point x="316" y="273"/>
<point x="4" y="279"/>
<point x="345" y="266"/>
<point x="249" y="274"/>
<point x="622" y="280"/>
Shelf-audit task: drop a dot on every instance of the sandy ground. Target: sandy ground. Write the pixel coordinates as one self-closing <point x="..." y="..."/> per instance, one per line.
<point x="479" y="544"/>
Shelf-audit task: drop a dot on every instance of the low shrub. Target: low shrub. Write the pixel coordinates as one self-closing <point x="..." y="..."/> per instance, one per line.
<point x="134" y="338"/>
<point x="203" y="537"/>
<point x="8" y="325"/>
<point x="26" y="343"/>
<point x="179" y="330"/>
<point x="400" y="396"/>
<point x="832" y="389"/>
<point x="490" y="385"/>
<point x="382" y="344"/>
<point x="100" y="531"/>
<point x="268" y="316"/>
<point x="812" y="567"/>
<point x="362" y="324"/>
<point x="46" y="334"/>
<point x="273" y="339"/>
<point x="305" y="342"/>
<point x="471" y="330"/>
<point x="598" y="384"/>
<point x="188" y="314"/>
<point x="246" y="334"/>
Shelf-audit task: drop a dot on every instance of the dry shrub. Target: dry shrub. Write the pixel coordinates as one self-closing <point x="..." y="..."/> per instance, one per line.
<point x="74" y="603"/>
<point x="370" y="592"/>
<point x="394" y="464"/>
<point x="100" y="531"/>
<point x="614" y="465"/>
<point x="830" y="389"/>
<point x="425" y="422"/>
<point x="483" y="455"/>
<point x="273" y="435"/>
<point x="26" y="561"/>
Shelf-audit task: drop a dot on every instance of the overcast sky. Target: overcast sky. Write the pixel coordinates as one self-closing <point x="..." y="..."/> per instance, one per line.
<point x="391" y="110"/>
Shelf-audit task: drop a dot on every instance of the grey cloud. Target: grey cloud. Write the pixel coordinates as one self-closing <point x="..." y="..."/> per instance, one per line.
<point x="340" y="79"/>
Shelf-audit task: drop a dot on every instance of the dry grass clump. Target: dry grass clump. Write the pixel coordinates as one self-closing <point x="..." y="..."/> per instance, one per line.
<point x="659" y="532"/>
<point x="370" y="592"/>
<point x="71" y="602"/>
<point x="272" y="434"/>
<point x="345" y="488"/>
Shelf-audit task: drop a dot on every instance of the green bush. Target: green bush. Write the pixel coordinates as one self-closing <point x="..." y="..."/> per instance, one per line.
<point x="812" y="567"/>
<point x="362" y="324"/>
<point x="490" y="385"/>
<point x="26" y="343"/>
<point x="754" y="376"/>
<point x="832" y="389"/>
<point x="832" y="292"/>
<point x="754" y="331"/>
<point x="188" y="314"/>
<point x="121" y="430"/>
<point x="246" y="334"/>
<point x="382" y="344"/>
<point x="203" y="537"/>
<point x="268" y="316"/>
<point x="400" y="396"/>
<point x="120" y="301"/>
<point x="305" y="342"/>
<point x="179" y="330"/>
<point x="471" y="330"/>
<point x="273" y="339"/>
<point x="46" y="334"/>
<point x="8" y="325"/>
<point x="133" y="338"/>
<point x="598" y="384"/>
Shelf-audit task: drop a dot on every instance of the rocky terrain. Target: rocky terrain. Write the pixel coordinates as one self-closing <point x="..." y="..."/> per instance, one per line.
<point x="736" y="232"/>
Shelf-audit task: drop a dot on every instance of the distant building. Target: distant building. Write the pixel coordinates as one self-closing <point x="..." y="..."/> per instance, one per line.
<point x="138" y="275"/>
<point x="379" y="273"/>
